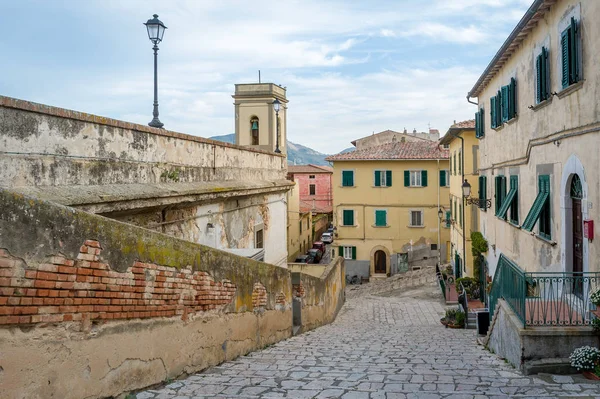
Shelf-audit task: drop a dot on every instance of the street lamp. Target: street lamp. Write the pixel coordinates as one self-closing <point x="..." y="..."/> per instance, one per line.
<point x="276" y="107"/>
<point x="483" y="203"/>
<point x="440" y="214"/>
<point x="156" y="30"/>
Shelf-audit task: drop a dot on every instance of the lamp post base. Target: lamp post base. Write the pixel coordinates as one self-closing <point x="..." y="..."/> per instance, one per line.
<point x="156" y="123"/>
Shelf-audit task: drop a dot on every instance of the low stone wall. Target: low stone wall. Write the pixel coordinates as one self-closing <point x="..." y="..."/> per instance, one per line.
<point x="91" y="307"/>
<point x="315" y="270"/>
<point x="319" y="299"/>
<point x="49" y="146"/>
<point x="535" y="349"/>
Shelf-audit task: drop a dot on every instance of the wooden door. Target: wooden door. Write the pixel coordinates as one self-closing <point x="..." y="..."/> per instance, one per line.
<point x="577" y="247"/>
<point x="380" y="262"/>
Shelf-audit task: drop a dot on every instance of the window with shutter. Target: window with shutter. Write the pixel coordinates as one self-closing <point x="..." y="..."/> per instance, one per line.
<point x="377" y="178"/>
<point x="380" y="218"/>
<point x="407" y="178"/>
<point x="541" y="201"/>
<point x="482" y="192"/>
<point x="448" y="218"/>
<point x="509" y="199"/>
<point x="514" y="205"/>
<point x="460" y="215"/>
<point x="348" y="217"/>
<point x="460" y="162"/>
<point x="423" y="178"/>
<point x="569" y="43"/>
<point x="416" y="178"/>
<point x="416" y="218"/>
<point x="565" y="57"/>
<point x="477" y="124"/>
<point x="505" y="103"/>
<point x="349" y="252"/>
<point x="454" y="163"/>
<point x="500" y="189"/>
<point x="442" y="178"/>
<point x="347" y="178"/>
<point x="499" y="109"/>
<point x="512" y="99"/>
<point x="493" y="112"/>
<point x="388" y="178"/>
<point x="481" y="123"/>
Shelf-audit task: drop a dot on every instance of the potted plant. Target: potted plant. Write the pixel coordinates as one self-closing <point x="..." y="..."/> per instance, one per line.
<point x="587" y="360"/>
<point x="595" y="297"/>
<point x="449" y="317"/>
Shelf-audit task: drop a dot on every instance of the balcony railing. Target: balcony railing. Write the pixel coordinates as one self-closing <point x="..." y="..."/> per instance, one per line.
<point x="545" y="299"/>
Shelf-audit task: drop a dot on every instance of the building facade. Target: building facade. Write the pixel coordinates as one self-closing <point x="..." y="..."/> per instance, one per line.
<point x="299" y="225"/>
<point x="388" y="206"/>
<point x="315" y="187"/>
<point x="391" y="136"/>
<point x="463" y="149"/>
<point x="539" y="134"/>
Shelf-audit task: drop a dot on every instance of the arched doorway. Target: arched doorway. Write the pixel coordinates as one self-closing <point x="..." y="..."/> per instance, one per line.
<point x="576" y="194"/>
<point x="380" y="262"/>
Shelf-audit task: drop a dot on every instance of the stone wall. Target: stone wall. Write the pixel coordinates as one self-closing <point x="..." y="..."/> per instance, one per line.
<point x="321" y="297"/>
<point x="49" y="146"/>
<point x="92" y="307"/>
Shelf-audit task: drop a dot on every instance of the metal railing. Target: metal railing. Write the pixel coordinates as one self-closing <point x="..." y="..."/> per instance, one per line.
<point x="545" y="299"/>
<point x="441" y="280"/>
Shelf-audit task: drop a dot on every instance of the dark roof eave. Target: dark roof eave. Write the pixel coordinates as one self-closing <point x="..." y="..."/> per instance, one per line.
<point x="390" y="159"/>
<point x="474" y="92"/>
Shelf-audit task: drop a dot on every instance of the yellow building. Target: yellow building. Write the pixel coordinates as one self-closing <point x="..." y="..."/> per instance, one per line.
<point x="299" y="227"/>
<point x="463" y="218"/>
<point x="386" y="204"/>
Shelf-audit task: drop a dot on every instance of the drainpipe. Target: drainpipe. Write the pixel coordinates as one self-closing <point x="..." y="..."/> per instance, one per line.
<point x="439" y="220"/>
<point x="468" y="99"/>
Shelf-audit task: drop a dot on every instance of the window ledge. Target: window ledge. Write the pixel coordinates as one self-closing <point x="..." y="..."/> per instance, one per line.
<point x="512" y="120"/>
<point x="498" y="128"/>
<point x="347" y="186"/>
<point x="416" y="186"/>
<point x="416" y="227"/>
<point x="541" y="104"/>
<point x="514" y="225"/>
<point x="381" y="186"/>
<point x="574" y="87"/>
<point x="349" y="225"/>
<point x="380" y="227"/>
<point x="542" y="239"/>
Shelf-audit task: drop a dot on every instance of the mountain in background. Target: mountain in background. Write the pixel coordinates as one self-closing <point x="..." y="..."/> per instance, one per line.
<point x="297" y="153"/>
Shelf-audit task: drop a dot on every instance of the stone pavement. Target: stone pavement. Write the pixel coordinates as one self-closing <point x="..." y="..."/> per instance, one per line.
<point x="379" y="347"/>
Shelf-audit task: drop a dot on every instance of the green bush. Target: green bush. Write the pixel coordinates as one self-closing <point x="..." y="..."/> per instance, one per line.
<point x="479" y="245"/>
<point x="460" y="318"/>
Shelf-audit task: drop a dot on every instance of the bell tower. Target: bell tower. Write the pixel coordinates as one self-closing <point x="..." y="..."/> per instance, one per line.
<point x="256" y="118"/>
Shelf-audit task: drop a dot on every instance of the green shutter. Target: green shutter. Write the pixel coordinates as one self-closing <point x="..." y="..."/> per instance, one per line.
<point x="477" y="124"/>
<point x="538" y="75"/>
<point x="388" y="178"/>
<point x="380" y="218"/>
<point x="505" y="101"/>
<point x="377" y="178"/>
<point x="506" y="203"/>
<point x="499" y="109"/>
<point x="512" y="98"/>
<point x="543" y="195"/>
<point x="481" y="123"/>
<point x="564" y="44"/>
<point x="573" y="64"/>
<point x="545" y="75"/>
<point x="407" y="178"/>
<point x="348" y="217"/>
<point x="460" y="216"/>
<point x="347" y="178"/>
<point x="448" y="217"/>
<point x="423" y="178"/>
<point x="514" y="204"/>
<point x="454" y="163"/>
<point x="353" y="253"/>
<point x="493" y="112"/>
<point x="460" y="162"/>
<point x="442" y="178"/>
<point x="341" y="251"/>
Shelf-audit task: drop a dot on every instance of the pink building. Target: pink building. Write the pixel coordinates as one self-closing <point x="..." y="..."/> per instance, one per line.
<point x="315" y="187"/>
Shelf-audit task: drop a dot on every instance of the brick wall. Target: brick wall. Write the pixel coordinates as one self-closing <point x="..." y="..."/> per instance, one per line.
<point x="85" y="288"/>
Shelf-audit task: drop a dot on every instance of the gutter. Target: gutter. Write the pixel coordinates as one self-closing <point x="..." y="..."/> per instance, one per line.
<point x="515" y="32"/>
<point x="462" y="202"/>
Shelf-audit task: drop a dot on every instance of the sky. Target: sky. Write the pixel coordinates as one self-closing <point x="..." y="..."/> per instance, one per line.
<point x="351" y="67"/>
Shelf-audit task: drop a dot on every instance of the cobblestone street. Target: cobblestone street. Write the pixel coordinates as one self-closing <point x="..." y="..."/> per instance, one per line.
<point x="379" y="347"/>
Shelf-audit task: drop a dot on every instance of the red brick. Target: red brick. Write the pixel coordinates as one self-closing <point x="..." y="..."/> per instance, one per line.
<point x="24" y="319"/>
<point x="67" y="269"/>
<point x="100" y="273"/>
<point x="60" y="260"/>
<point x="7" y="291"/>
<point x="4" y="282"/>
<point x="44" y="284"/>
<point x="30" y="274"/>
<point x="42" y="292"/>
<point x="92" y="243"/>
<point x="85" y="308"/>
<point x="9" y="319"/>
<point x="68" y="317"/>
<point x="14" y="301"/>
<point x="6" y="310"/>
<point x="26" y="301"/>
<point x="26" y="310"/>
<point x="84" y="271"/>
<point x="88" y="257"/>
<point x="51" y="318"/>
<point x="68" y="309"/>
<point x="7" y="263"/>
<point x="47" y="267"/>
<point x="47" y="276"/>
<point x="6" y="273"/>
<point x="65" y="285"/>
<point x="31" y="292"/>
<point x="53" y="293"/>
<point x="38" y="301"/>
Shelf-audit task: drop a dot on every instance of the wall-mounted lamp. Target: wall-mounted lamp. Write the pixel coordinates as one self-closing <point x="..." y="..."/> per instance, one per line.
<point x="482" y="203"/>
<point x="210" y="228"/>
<point x="335" y="232"/>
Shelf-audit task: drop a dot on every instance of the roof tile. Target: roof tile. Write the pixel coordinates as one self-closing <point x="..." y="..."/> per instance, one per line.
<point x="393" y="151"/>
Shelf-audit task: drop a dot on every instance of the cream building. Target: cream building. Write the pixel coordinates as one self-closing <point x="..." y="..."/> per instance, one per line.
<point x="391" y="136"/>
<point x="386" y="203"/>
<point x="299" y="225"/>
<point x="539" y="144"/>
<point x="463" y="218"/>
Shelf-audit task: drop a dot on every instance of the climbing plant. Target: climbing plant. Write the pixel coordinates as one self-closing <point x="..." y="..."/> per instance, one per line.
<point x="479" y="246"/>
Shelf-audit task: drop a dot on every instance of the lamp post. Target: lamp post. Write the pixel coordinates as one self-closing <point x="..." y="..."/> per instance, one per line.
<point x="156" y="30"/>
<point x="276" y="107"/>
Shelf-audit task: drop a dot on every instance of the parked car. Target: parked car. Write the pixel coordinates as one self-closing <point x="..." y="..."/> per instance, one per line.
<point x="316" y="254"/>
<point x="304" y="259"/>
<point x="320" y="246"/>
<point x="330" y="230"/>
<point x="327" y="238"/>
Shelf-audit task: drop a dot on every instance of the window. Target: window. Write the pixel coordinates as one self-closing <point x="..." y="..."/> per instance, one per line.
<point x="380" y="218"/>
<point x="434" y="247"/>
<point x="311" y="176"/>
<point x="448" y="218"/>
<point x="460" y="215"/>
<point x="416" y="218"/>
<point x="569" y="44"/>
<point x="460" y="162"/>
<point x="482" y="192"/>
<point x="301" y="227"/>
<point x="479" y="124"/>
<point x="500" y="188"/>
<point x="383" y="178"/>
<point x="542" y="90"/>
<point x="511" y="200"/>
<point x="258" y="239"/>
<point x="503" y="106"/>
<point x="444" y="178"/>
<point x="347" y="252"/>
<point x="454" y="209"/>
<point x="347" y="178"/>
<point x="348" y="217"/>
<point x="540" y="209"/>
<point x="311" y="189"/>
<point x="254" y="130"/>
<point x="415" y="178"/>
<point x="454" y="163"/>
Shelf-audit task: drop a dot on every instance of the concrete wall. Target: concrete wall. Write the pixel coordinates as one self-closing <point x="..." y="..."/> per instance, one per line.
<point x="321" y="297"/>
<point x="315" y="270"/>
<point x="559" y="138"/>
<point x="94" y="307"/>
<point x="299" y="239"/>
<point x="361" y="268"/>
<point x="526" y="348"/>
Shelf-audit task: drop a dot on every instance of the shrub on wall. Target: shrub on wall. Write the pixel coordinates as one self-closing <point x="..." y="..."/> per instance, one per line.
<point x="479" y="246"/>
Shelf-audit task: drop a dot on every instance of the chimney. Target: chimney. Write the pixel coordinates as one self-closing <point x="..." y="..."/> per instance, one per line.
<point x="414" y="131"/>
<point x="404" y="130"/>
